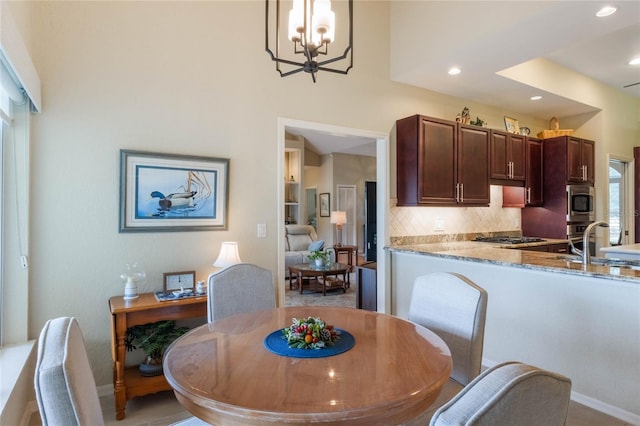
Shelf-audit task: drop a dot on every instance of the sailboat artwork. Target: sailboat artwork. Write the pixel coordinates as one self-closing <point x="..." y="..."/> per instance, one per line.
<point x="171" y="192"/>
<point x="193" y="196"/>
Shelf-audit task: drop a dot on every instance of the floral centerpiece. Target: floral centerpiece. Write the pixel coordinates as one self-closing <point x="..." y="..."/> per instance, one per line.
<point x="310" y="333"/>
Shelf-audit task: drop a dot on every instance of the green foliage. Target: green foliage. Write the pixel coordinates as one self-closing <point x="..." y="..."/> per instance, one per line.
<point x="153" y="338"/>
<point x="320" y="254"/>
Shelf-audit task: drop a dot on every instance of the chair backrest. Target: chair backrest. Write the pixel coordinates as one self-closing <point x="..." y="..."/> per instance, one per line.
<point x="509" y="394"/>
<point x="64" y="384"/>
<point x="298" y="237"/>
<point x="455" y="309"/>
<point x="238" y="289"/>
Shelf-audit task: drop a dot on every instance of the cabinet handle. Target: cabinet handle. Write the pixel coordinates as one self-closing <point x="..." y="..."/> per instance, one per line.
<point x="528" y="197"/>
<point x="457" y="192"/>
<point x="584" y="173"/>
<point x="462" y="192"/>
<point x="510" y="170"/>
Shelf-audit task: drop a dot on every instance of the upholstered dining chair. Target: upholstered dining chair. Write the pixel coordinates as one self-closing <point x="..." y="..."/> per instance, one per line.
<point x="511" y="393"/>
<point x="455" y="309"/>
<point x="65" y="388"/>
<point x="239" y="288"/>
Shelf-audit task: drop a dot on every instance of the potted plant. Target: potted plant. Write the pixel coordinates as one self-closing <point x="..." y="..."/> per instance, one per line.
<point x="320" y="257"/>
<point x="153" y="339"/>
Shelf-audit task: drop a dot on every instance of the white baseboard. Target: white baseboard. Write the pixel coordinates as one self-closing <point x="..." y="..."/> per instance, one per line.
<point x="594" y="404"/>
<point x="105" y="390"/>
<point x="605" y="408"/>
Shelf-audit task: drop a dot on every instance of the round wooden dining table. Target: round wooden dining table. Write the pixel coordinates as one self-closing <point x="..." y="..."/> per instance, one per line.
<point x="222" y="373"/>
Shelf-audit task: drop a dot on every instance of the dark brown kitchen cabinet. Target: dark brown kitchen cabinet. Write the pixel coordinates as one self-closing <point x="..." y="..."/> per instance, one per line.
<point x="580" y="160"/>
<point x="441" y="162"/>
<point x="550" y="248"/>
<point x="507" y="158"/>
<point x="534" y="183"/>
<point x="533" y="192"/>
<point x="473" y="165"/>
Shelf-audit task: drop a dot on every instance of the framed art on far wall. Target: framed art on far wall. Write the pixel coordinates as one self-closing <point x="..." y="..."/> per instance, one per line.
<point x="511" y="124"/>
<point x="171" y="192"/>
<point x="325" y="205"/>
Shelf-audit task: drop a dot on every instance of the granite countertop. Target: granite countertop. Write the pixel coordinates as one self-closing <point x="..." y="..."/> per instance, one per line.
<point x="504" y="254"/>
<point x="629" y="248"/>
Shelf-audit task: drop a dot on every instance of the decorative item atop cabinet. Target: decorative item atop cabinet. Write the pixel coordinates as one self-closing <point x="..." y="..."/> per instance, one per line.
<point x="554" y="130"/>
<point x="441" y="162"/>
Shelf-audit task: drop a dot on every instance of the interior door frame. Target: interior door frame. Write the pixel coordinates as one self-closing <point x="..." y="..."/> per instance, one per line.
<point x="382" y="205"/>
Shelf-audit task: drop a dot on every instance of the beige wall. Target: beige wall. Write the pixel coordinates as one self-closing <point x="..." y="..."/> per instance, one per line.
<point x="176" y="77"/>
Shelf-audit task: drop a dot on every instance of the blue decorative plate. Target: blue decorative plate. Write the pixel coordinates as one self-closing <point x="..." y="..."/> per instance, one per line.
<point x="276" y="343"/>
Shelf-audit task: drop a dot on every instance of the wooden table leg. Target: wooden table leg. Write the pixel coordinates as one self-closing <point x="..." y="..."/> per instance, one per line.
<point x="119" y="388"/>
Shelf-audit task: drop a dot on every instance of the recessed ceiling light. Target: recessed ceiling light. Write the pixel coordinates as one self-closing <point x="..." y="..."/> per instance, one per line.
<point x="606" y="11"/>
<point x="536" y="98"/>
<point x="635" y="61"/>
<point x="454" y="71"/>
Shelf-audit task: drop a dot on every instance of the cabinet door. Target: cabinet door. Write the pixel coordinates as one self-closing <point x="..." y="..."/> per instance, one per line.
<point x="473" y="164"/>
<point x="437" y="162"/>
<point x="499" y="161"/>
<point x="534" y="184"/>
<point x="574" y="160"/>
<point x="517" y="157"/>
<point x="587" y="150"/>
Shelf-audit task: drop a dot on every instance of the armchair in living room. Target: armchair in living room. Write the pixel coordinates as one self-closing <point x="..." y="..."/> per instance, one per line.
<point x="299" y="242"/>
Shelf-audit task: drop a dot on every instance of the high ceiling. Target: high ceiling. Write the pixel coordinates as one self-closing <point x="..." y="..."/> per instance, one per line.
<point x="486" y="38"/>
<point x="489" y="38"/>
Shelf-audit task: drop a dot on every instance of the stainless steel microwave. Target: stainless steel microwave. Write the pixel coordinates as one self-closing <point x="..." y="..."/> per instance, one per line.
<point x="580" y="203"/>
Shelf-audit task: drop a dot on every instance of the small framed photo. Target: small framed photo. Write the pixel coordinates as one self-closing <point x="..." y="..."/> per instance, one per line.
<point x="185" y="280"/>
<point x="325" y="205"/>
<point x="511" y="124"/>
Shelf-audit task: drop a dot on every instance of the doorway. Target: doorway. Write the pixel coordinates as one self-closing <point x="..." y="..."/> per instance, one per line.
<point x="619" y="207"/>
<point x="343" y="135"/>
<point x="311" y="207"/>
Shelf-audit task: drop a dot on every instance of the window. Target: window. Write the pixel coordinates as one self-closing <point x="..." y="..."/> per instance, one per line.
<point x="14" y="155"/>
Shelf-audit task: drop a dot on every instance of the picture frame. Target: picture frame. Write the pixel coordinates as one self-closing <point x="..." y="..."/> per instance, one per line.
<point x="511" y="125"/>
<point x="184" y="280"/>
<point x="172" y="192"/>
<point x="325" y="204"/>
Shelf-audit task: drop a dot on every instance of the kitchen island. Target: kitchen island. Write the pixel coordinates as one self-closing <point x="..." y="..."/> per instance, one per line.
<point x="628" y="251"/>
<point x="544" y="309"/>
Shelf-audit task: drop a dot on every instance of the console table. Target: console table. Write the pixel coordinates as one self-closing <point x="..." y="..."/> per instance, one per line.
<point x="127" y="381"/>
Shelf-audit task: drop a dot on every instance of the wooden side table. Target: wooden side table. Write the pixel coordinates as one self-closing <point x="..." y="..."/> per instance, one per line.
<point x="352" y="253"/>
<point x="127" y="381"/>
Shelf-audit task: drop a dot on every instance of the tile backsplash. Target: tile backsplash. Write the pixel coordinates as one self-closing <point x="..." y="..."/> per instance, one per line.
<point x="414" y="225"/>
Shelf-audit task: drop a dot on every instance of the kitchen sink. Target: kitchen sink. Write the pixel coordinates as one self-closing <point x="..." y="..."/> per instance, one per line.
<point x="604" y="261"/>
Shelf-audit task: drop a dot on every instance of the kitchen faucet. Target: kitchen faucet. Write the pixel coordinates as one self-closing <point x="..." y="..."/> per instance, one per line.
<point x="585" y="253"/>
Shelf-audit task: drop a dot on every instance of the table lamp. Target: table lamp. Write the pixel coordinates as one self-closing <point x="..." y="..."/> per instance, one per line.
<point x="339" y="218"/>
<point x="228" y="255"/>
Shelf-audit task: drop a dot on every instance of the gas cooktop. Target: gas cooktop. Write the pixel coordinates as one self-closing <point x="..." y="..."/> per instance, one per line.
<point x="509" y="240"/>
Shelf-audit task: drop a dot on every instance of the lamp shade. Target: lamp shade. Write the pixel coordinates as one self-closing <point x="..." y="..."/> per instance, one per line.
<point x="338" y="217"/>
<point x="228" y="255"/>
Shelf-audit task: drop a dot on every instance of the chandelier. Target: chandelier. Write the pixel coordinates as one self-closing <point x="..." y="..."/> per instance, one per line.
<point x="311" y="26"/>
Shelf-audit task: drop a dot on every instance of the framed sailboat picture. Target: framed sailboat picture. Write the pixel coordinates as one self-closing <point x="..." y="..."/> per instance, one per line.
<point x="172" y="192"/>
